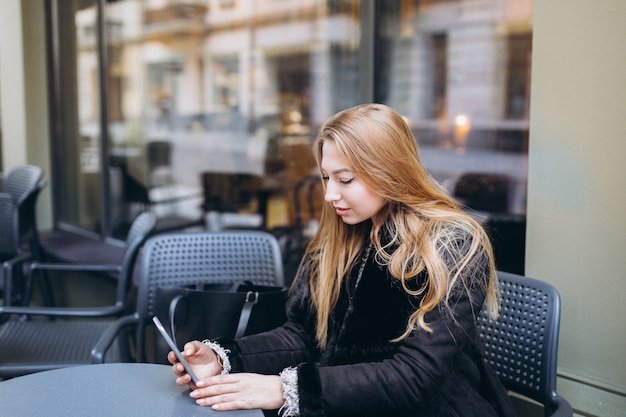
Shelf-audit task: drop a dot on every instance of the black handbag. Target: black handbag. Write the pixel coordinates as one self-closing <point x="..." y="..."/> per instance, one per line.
<point x="209" y="311"/>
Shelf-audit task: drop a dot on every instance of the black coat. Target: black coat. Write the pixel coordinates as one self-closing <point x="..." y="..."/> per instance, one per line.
<point x="361" y="372"/>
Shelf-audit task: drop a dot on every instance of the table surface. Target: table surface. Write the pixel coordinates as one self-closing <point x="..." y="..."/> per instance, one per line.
<point x="121" y="389"/>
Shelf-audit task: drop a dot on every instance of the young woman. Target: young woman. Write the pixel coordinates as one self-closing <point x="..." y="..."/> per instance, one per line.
<point x="382" y="313"/>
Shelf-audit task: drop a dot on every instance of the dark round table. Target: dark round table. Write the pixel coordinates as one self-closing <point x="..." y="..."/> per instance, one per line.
<point x="121" y="389"/>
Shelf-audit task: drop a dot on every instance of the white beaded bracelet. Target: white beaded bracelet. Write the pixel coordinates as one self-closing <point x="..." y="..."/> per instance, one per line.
<point x="222" y="355"/>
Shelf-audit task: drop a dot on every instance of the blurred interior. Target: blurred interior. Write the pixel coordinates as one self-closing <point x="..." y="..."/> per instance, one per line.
<point x="204" y="111"/>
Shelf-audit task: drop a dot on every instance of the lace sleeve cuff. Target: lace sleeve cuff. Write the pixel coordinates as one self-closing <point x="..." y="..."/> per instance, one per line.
<point x="291" y="407"/>
<point x="222" y="355"/>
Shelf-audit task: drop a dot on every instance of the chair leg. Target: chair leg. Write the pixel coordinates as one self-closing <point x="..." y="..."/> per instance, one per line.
<point x="8" y="285"/>
<point x="45" y="287"/>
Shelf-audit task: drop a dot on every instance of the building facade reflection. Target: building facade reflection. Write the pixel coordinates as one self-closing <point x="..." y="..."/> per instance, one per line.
<point x="242" y="86"/>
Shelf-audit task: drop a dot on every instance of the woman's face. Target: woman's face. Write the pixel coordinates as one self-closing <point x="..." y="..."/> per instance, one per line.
<point x="352" y="199"/>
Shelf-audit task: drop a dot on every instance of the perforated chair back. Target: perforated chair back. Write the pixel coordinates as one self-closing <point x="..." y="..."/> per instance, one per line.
<point x="522" y="344"/>
<point x="222" y="257"/>
<point x="21" y="181"/>
<point x="188" y="258"/>
<point x="9" y="242"/>
<point x="141" y="228"/>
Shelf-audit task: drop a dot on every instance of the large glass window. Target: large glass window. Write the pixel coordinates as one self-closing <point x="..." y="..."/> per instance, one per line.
<point x="204" y="111"/>
<point x="201" y="93"/>
<point x="1" y="159"/>
<point x="460" y="72"/>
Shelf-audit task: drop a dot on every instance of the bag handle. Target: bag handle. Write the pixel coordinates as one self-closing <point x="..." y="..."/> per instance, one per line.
<point x="172" y="315"/>
<point x="252" y="297"/>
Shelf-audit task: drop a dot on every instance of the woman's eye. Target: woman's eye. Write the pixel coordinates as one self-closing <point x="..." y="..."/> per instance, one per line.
<point x="344" y="182"/>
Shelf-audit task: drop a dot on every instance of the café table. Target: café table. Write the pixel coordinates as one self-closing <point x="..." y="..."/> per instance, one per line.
<point x="106" y="390"/>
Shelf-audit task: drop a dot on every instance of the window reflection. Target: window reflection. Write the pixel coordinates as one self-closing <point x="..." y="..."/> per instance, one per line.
<point x="460" y="72"/>
<point x="1" y="158"/>
<point x="204" y="93"/>
<point x="233" y="87"/>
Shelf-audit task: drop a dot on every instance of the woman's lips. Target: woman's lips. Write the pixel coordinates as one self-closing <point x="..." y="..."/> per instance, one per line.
<point x="341" y="211"/>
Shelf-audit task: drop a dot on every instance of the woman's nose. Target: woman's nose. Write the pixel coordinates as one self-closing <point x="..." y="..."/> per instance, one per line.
<point x="331" y="193"/>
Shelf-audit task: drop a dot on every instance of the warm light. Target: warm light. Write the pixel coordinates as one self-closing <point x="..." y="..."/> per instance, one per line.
<point x="462" y="120"/>
<point x="462" y="126"/>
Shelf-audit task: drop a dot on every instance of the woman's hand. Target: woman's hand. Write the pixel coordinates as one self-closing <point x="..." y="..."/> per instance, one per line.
<point x="202" y="360"/>
<point x="240" y="391"/>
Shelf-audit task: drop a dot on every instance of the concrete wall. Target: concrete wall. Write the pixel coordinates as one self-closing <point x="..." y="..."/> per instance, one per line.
<point x="577" y="191"/>
<point x="24" y="93"/>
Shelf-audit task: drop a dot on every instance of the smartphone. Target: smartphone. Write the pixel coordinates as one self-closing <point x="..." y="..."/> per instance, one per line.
<point x="174" y="348"/>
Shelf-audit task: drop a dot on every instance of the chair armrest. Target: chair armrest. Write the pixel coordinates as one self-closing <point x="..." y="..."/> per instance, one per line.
<point x="91" y="312"/>
<point x="22" y="257"/>
<point x="108" y="337"/>
<point x="83" y="267"/>
<point x="7" y="273"/>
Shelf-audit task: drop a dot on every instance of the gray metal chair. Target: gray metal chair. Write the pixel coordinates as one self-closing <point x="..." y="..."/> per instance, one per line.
<point x="22" y="184"/>
<point x="187" y="258"/>
<point x="21" y="180"/>
<point x="32" y="341"/>
<point x="522" y="344"/>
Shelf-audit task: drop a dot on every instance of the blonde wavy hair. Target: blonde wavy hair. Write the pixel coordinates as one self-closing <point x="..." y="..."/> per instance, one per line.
<point x="425" y="225"/>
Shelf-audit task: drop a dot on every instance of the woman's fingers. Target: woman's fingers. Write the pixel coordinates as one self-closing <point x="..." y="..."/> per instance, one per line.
<point x="240" y="391"/>
<point x="185" y="380"/>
